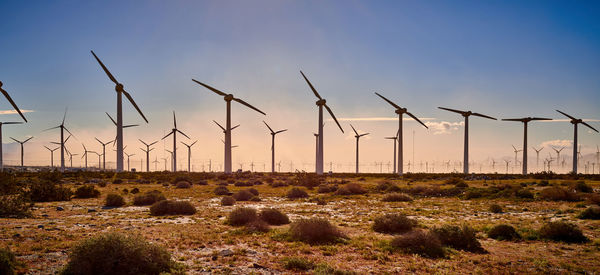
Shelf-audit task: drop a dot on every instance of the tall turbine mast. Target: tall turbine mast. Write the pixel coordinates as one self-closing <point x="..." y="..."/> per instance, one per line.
<point x="394" y="139"/>
<point x="103" y="153"/>
<point x="321" y="103"/>
<point x="228" y="98"/>
<point x="2" y="123"/>
<point x="174" y="132"/>
<point x="62" y="140"/>
<point x="189" y="146"/>
<point x="357" y="136"/>
<point x="273" y="133"/>
<point x="21" y="142"/>
<point x="51" y="155"/>
<point x="85" y="155"/>
<point x="575" y="122"/>
<point x="147" y="151"/>
<point x="525" y="120"/>
<point x="120" y="92"/>
<point x="466" y="115"/>
<point x="400" y="111"/>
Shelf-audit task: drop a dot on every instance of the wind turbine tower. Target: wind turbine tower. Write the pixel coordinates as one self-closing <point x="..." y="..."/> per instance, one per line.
<point x="357" y="136"/>
<point x="575" y="122"/>
<point x="273" y="133"/>
<point x="21" y="142"/>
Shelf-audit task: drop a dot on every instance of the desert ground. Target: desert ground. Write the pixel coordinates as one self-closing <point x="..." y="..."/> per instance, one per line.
<point x="207" y="241"/>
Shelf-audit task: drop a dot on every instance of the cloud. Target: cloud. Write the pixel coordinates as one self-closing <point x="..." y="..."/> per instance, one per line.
<point x="380" y="119"/>
<point x="557" y="143"/>
<point x="10" y="112"/>
<point x="443" y="127"/>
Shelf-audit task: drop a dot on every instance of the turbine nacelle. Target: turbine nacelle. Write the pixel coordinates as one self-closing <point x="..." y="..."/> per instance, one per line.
<point x="467" y="113"/>
<point x="401" y="111"/>
<point x="228" y="97"/>
<point x="321" y="102"/>
<point x="119" y="88"/>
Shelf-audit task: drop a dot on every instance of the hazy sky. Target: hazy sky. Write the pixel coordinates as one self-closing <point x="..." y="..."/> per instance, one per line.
<point x="501" y="58"/>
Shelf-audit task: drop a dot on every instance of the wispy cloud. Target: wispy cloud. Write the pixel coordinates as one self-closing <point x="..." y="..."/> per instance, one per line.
<point x="443" y="127"/>
<point x="557" y="143"/>
<point x="9" y="112"/>
<point x="380" y="119"/>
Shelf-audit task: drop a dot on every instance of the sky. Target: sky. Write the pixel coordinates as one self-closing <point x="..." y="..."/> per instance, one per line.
<point x="505" y="59"/>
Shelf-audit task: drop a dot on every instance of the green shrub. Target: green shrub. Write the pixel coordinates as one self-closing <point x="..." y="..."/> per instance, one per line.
<point x="504" y="232"/>
<point x="315" y="231"/>
<point x="324" y="269"/>
<point x="351" y="189"/>
<point x="114" y="200"/>
<point x="395" y="197"/>
<point x="8" y="262"/>
<point x="273" y="216"/>
<point x="562" y="231"/>
<point x="243" y="195"/>
<point x="297" y="264"/>
<point x="148" y="198"/>
<point x="461" y="238"/>
<point x="86" y="192"/>
<point x="590" y="213"/>
<point x="14" y="206"/>
<point x="227" y="201"/>
<point x="42" y="191"/>
<point x="393" y="224"/>
<point x="495" y="208"/>
<point x="241" y="216"/>
<point x="555" y="193"/>
<point x="221" y="190"/>
<point x="115" y="253"/>
<point x="168" y="207"/>
<point x="419" y="242"/>
<point x="296" y="193"/>
<point x="183" y="185"/>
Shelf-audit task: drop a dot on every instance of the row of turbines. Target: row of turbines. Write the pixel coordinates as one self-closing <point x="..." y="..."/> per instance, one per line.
<point x="319" y="136"/>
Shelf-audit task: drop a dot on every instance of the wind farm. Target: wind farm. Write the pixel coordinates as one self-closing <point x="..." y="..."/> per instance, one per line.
<point x="282" y="195"/>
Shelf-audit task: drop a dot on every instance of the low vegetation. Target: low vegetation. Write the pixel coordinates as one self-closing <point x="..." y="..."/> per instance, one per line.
<point x="242" y="216"/>
<point x="562" y="231"/>
<point x="419" y="242"/>
<point x="9" y="264"/>
<point x="504" y="232"/>
<point x="459" y="237"/>
<point x="296" y="193"/>
<point x="315" y="231"/>
<point x="169" y="207"/>
<point x="114" y="200"/>
<point x="86" y="192"/>
<point x="395" y="197"/>
<point x="273" y="216"/>
<point x="148" y="198"/>
<point x="393" y="224"/>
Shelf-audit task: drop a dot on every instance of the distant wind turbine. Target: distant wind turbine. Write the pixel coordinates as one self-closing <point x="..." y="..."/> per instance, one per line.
<point x="273" y="133"/>
<point x="51" y="155"/>
<point x="228" y="98"/>
<point x="189" y="146"/>
<point x="147" y="151"/>
<point x="120" y="92"/>
<point x="537" y="154"/>
<point x="103" y="153"/>
<point x="525" y="120"/>
<point x="62" y="140"/>
<point x="3" y="123"/>
<point x="85" y="155"/>
<point x="557" y="154"/>
<point x="22" y="142"/>
<point x="128" y="156"/>
<point x="466" y="115"/>
<point x="576" y="121"/>
<point x="516" y="151"/>
<point x="357" y="136"/>
<point x="174" y="132"/>
<point x="394" y="152"/>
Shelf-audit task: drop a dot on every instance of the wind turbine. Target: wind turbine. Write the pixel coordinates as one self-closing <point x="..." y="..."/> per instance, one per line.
<point x="228" y="98"/>
<point x="400" y="111"/>
<point x="316" y="151"/>
<point x="466" y="115"/>
<point x="2" y="123"/>
<point x="155" y="163"/>
<point x="321" y="103"/>
<point x="174" y="132"/>
<point x="147" y="151"/>
<point x="103" y="153"/>
<point x="51" y="155"/>
<point x="120" y="92"/>
<point x="70" y="156"/>
<point x="85" y="155"/>
<point x="516" y="153"/>
<point x="525" y="121"/>
<point x="172" y="166"/>
<point x="98" y="159"/>
<point x="394" y="152"/>
<point x="273" y="133"/>
<point x="124" y="126"/>
<point x="598" y="158"/>
<point x="507" y="163"/>
<point x="537" y="156"/>
<point x="21" y="142"/>
<point x="557" y="154"/>
<point x="189" y="146"/>
<point x="576" y="121"/>
<point x="62" y="140"/>
<point x="357" y="136"/>
<point x="128" y="156"/>
<point x="7" y="96"/>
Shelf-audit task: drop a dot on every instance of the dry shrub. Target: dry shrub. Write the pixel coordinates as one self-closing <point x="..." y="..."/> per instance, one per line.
<point x="135" y="190"/>
<point x="393" y="224"/>
<point x="315" y="231"/>
<point x="351" y="189"/>
<point x="221" y="190"/>
<point x="562" y="231"/>
<point x="297" y="264"/>
<point x="243" y="183"/>
<point x="495" y="208"/>
<point x="86" y="192"/>
<point x="590" y="213"/>
<point x="115" y="253"/>
<point x="296" y="193"/>
<point x="8" y="262"/>
<point x="419" y="242"/>
<point x="524" y="194"/>
<point x="227" y="201"/>
<point x="148" y="198"/>
<point x="14" y="206"/>
<point x="556" y="193"/>
<point x="308" y="180"/>
<point x="253" y="191"/>
<point x="168" y="207"/>
<point x="45" y="191"/>
<point x="114" y="200"/>
<point x="243" y="195"/>
<point x="183" y="185"/>
<point x="504" y="232"/>
<point x="581" y="187"/>
<point x="241" y="216"/>
<point x="257" y="226"/>
<point x="273" y="216"/>
<point x="461" y="238"/>
<point x="394" y="197"/>
<point x="327" y="188"/>
<point x="593" y="198"/>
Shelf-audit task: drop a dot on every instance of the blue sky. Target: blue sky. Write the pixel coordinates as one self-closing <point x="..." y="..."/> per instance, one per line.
<point x="502" y="58"/>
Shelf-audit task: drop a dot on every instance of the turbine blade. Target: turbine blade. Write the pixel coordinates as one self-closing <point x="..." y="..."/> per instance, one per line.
<point x="70" y="134"/>
<point x="153" y="143"/>
<point x="183" y="134"/>
<point x="174" y="120"/>
<point x="99" y="141"/>
<point x="51" y="128"/>
<point x="388" y="101"/>
<point x="311" y="86"/>
<point x="193" y="143"/>
<point x="354" y="129"/>
<point x="566" y="115"/>
<point x="132" y="125"/>
<point x="184" y="143"/>
<point x="584" y="123"/>
<point x="362" y="135"/>
<point x="11" y="123"/>
<point x="15" y="139"/>
<point x="168" y="135"/>
<point x="482" y="115"/>
<point x="540" y="118"/>
<point x="281" y="131"/>
<point x="235" y="127"/>
<point x="134" y="105"/>
<point x="210" y="88"/>
<point x="5" y="93"/>
<point x="47" y="147"/>
<point x="84" y="149"/>
<point x="142" y="142"/>
<point x="514" y="147"/>
<point x="333" y="116"/>
<point x="219" y="125"/>
<point x="452" y="110"/>
<point x="248" y="105"/>
<point x="268" y="127"/>
<point x="64" y="116"/>
<point x="415" y="118"/>
<point x="111" y="119"/>
<point x="513" y="119"/>
<point x="105" y="69"/>
<point x="53" y="142"/>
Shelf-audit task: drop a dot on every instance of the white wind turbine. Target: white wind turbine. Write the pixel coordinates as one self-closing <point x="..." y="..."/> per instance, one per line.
<point x="128" y="156"/>
<point x="557" y="154"/>
<point x="321" y="103"/>
<point x="394" y="151"/>
<point x="525" y="120"/>
<point x="537" y="156"/>
<point x="51" y="155"/>
<point x="120" y="92"/>
<point x="466" y="115"/>
<point x="103" y="152"/>
<point x="400" y="111"/>
<point x="147" y="151"/>
<point x="576" y="121"/>
<point x="22" y="152"/>
<point x="516" y="151"/>
<point x="273" y="133"/>
<point x="228" y="98"/>
<point x="174" y="132"/>
<point x="189" y="146"/>
<point x="62" y="140"/>
<point x="85" y="155"/>
<point x="357" y="136"/>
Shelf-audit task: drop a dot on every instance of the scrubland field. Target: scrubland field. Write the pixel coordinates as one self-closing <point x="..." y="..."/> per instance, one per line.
<point x="197" y="223"/>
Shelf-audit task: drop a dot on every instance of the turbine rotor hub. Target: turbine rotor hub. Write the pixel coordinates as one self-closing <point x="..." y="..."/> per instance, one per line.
<point x="228" y="97"/>
<point x="321" y="102"/>
<point x="0" y="84"/>
<point x="466" y="114"/>
<point x="119" y="87"/>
